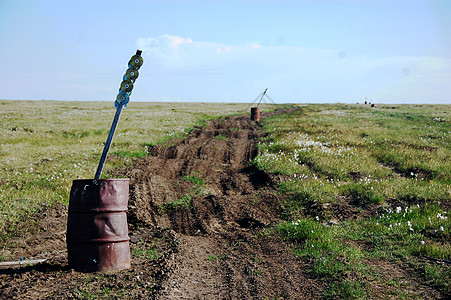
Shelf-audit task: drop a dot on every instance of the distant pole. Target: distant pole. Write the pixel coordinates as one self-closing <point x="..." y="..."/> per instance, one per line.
<point x="264" y="93"/>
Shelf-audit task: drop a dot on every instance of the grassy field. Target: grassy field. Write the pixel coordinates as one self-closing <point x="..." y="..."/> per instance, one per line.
<point x="47" y="144"/>
<point x="389" y="168"/>
<point x="367" y="188"/>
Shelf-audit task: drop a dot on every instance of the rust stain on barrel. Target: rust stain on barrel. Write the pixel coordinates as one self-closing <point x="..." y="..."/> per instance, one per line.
<point x="255" y="114"/>
<point x="97" y="229"/>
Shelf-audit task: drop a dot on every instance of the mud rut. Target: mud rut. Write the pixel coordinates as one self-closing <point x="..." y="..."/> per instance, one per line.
<point x="222" y="249"/>
<point x="217" y="245"/>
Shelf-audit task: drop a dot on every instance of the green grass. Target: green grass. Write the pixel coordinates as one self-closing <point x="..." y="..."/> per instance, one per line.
<point x="185" y="201"/>
<point x="394" y="160"/>
<point x="195" y="180"/>
<point x="150" y="253"/>
<point x="220" y="137"/>
<point x="212" y="257"/>
<point x="47" y="144"/>
<point x="346" y="289"/>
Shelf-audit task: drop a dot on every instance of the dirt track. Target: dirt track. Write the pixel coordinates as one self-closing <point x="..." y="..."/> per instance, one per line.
<point x="222" y="250"/>
<point x="212" y="237"/>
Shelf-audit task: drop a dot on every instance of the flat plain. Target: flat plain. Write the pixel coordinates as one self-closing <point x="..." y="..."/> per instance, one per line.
<point x="320" y="201"/>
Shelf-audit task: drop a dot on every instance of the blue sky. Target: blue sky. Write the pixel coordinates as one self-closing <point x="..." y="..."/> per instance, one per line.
<point x="388" y="51"/>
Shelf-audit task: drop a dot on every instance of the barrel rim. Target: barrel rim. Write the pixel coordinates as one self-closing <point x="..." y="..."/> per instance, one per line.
<point x="111" y="240"/>
<point x="101" y="180"/>
<point x="105" y="209"/>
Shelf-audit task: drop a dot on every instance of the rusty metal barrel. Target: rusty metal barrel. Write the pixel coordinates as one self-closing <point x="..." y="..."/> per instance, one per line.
<point x="97" y="230"/>
<point x="255" y="114"/>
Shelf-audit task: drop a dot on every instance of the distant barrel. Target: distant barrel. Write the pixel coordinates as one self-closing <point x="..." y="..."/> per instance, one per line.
<point x="255" y="114"/>
<point x="97" y="230"/>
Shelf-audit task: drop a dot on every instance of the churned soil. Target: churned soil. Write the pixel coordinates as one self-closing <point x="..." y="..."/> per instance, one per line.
<point x="201" y="222"/>
<point x="223" y="250"/>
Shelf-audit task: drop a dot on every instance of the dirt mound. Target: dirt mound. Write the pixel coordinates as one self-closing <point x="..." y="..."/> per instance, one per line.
<point x="200" y="219"/>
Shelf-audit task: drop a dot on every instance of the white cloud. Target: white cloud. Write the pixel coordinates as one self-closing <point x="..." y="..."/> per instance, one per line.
<point x="256" y="46"/>
<point x="178" y="52"/>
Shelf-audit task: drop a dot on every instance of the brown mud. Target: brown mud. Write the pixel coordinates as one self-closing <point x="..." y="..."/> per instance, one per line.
<point x="201" y="222"/>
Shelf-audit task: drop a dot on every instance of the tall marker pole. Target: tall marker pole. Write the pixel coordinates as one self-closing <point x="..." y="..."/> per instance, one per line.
<point x="122" y="99"/>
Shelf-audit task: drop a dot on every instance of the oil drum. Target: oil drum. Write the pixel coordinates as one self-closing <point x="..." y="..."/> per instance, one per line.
<point x="97" y="230"/>
<point x="255" y="114"/>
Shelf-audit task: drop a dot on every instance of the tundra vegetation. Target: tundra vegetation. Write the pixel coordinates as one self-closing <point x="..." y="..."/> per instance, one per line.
<point x="367" y="190"/>
<point x="389" y="169"/>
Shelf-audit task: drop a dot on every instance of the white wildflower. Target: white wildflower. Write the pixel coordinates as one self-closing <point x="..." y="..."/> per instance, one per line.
<point x="439" y="215"/>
